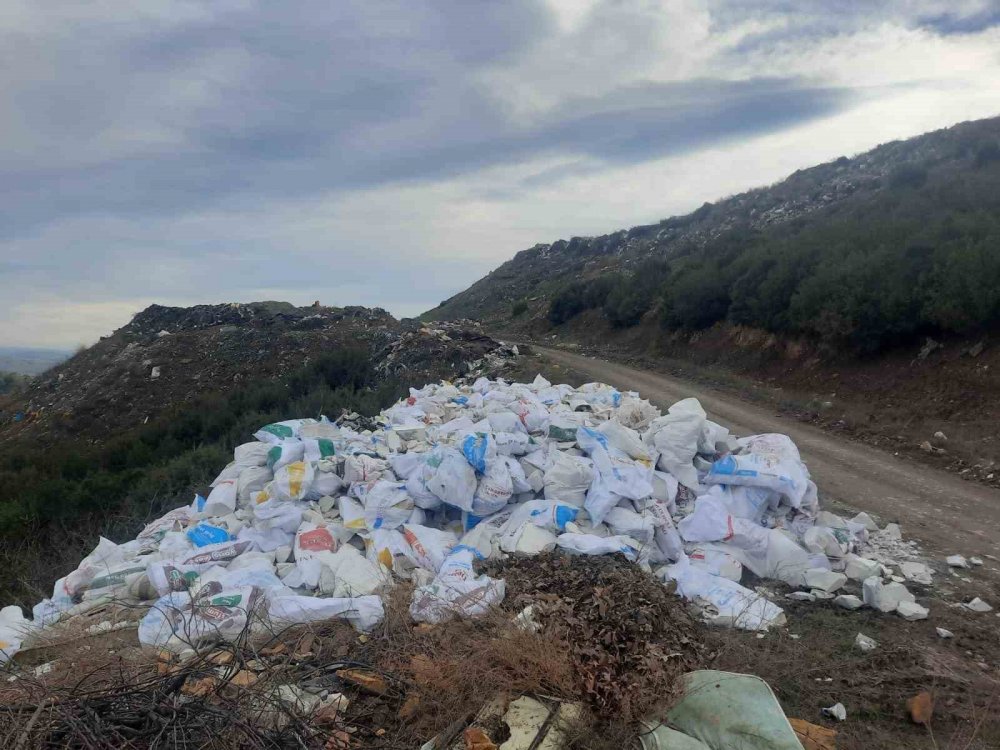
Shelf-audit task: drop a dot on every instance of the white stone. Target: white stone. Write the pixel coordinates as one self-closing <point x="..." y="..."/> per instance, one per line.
<point x="892" y="531"/>
<point x="801" y="596"/>
<point x="848" y="601"/>
<point x="825" y="580"/>
<point x="885" y="597"/>
<point x="863" y="519"/>
<point x="942" y="633"/>
<point x="975" y="561"/>
<point x="977" y="605"/>
<point x="821" y="594"/>
<point x="957" y="561"/>
<point x="864" y="643"/>
<point x="282" y="553"/>
<point x="916" y="572"/>
<point x="912" y="611"/>
<point x="860" y="568"/>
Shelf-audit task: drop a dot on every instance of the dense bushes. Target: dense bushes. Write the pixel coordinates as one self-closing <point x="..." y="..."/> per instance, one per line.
<point x="55" y="501"/>
<point x="578" y="296"/>
<point x="921" y="256"/>
<point x="12" y="381"/>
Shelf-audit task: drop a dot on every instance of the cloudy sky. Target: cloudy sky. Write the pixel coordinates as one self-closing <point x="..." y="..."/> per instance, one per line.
<point x="390" y="153"/>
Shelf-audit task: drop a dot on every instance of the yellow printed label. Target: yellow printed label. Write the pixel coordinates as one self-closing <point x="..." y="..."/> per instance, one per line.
<point x="296" y="473"/>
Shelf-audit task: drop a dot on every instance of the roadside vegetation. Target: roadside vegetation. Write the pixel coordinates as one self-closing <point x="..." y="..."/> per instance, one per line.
<point x="11" y="382"/>
<point x="54" y="503"/>
<point x="918" y="258"/>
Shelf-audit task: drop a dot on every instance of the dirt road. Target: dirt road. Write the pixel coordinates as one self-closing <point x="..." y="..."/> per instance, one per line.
<point x="945" y="513"/>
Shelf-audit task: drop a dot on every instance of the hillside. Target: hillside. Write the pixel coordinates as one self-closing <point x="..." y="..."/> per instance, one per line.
<point x="142" y="419"/>
<point x="861" y="253"/>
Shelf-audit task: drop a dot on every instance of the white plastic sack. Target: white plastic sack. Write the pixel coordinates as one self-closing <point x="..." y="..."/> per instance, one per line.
<point x="362" y="612"/>
<point x="771" y="461"/>
<point x="428" y="546"/>
<point x="221" y="500"/>
<point x="568" y="479"/>
<point x="675" y="436"/>
<point x="588" y="544"/>
<point x="292" y="482"/>
<point x="729" y="603"/>
<point x="456" y="591"/>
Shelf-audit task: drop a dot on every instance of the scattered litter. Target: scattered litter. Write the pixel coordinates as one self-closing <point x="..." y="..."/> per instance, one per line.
<point x="836" y="711"/>
<point x="864" y="643"/>
<point x="921" y="708"/>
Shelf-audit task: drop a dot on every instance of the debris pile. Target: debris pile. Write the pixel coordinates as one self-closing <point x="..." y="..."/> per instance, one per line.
<point x="316" y="520"/>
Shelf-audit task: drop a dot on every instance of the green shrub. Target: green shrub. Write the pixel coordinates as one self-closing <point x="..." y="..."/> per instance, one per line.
<point x="520" y="308"/>
<point x="55" y="501"/>
<point x="578" y="296"/>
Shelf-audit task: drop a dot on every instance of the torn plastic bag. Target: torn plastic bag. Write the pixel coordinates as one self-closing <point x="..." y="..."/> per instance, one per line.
<point x="456" y="591"/>
<point x="588" y="544"/>
<point x="636" y="413"/>
<point x="428" y="546"/>
<point x="730" y="603"/>
<point x="221" y="500"/>
<point x="364" y="468"/>
<point x="314" y="540"/>
<point x="167" y="576"/>
<point x="624" y="476"/>
<point x="362" y="612"/>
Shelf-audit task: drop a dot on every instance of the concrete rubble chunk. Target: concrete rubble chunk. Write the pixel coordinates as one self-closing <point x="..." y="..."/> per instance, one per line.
<point x="977" y="605"/>
<point x="860" y="568"/>
<point x="916" y="572"/>
<point x="863" y="519"/>
<point x="885" y="597"/>
<point x="912" y="611"/>
<point x="893" y="532"/>
<point x="824" y="580"/>
<point x="944" y="633"/>
<point x="957" y="561"/>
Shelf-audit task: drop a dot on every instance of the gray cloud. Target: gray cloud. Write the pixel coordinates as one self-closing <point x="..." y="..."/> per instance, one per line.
<point x="136" y="140"/>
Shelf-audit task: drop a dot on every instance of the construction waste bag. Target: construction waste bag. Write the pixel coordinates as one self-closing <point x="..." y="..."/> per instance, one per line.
<point x="723" y="711"/>
<point x="317" y="519"/>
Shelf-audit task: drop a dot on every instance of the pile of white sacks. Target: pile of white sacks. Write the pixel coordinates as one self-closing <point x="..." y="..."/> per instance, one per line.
<point x="315" y="520"/>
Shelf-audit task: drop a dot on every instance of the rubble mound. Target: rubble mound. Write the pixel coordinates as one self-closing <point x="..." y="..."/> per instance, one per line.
<point x="167" y="357"/>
